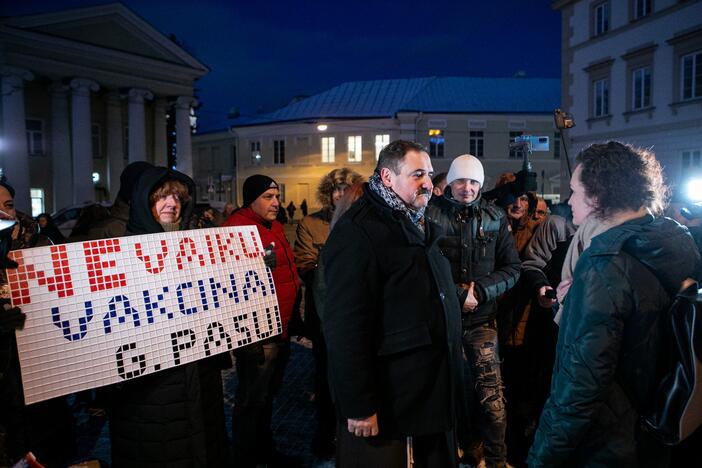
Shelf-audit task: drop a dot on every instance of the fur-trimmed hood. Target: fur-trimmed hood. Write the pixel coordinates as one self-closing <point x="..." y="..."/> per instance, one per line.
<point x="336" y="177"/>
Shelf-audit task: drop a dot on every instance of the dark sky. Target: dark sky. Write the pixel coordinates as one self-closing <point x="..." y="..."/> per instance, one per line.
<point x="262" y="53"/>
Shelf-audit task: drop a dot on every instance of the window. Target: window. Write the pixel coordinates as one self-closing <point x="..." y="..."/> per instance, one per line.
<point x="355" y="149"/>
<point x="514" y="152"/>
<point x="256" y="156"/>
<point x="557" y="145"/>
<point x="600" y="92"/>
<point x="381" y="141"/>
<point x="641" y="8"/>
<point x="691" y="158"/>
<point x="37" y="196"/>
<point x="476" y="143"/>
<point x="281" y="191"/>
<point x="327" y="149"/>
<point x="278" y="151"/>
<point x="601" y="19"/>
<point x="233" y="153"/>
<point x="641" y="86"/>
<point x="35" y="137"/>
<point x="436" y="143"/>
<point x="96" y="140"/>
<point x="692" y="75"/>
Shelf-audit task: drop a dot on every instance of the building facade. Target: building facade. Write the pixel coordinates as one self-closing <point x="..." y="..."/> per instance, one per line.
<point x="632" y="71"/>
<point x="85" y="92"/>
<point x="348" y="125"/>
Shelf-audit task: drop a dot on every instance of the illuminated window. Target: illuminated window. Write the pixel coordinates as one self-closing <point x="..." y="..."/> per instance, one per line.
<point x="381" y="141"/>
<point x="37" y="196"/>
<point x="327" y="149"/>
<point x="436" y="143"/>
<point x="256" y="156"/>
<point x="355" y="149"/>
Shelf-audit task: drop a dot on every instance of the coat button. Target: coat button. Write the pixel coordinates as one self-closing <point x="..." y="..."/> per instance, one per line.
<point x="442" y="296"/>
<point x="465" y="270"/>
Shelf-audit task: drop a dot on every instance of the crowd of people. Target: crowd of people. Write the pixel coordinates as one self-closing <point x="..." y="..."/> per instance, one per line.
<point x="450" y="324"/>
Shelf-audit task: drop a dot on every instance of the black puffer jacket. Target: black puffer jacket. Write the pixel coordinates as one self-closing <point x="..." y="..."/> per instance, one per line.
<point x="174" y="417"/>
<point x="613" y="337"/>
<point x="480" y="248"/>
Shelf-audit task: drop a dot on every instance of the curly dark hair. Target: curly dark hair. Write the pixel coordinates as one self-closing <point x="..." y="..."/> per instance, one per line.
<point x="619" y="176"/>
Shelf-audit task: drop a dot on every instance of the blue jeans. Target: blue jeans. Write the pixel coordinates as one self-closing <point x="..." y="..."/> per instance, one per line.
<point x="480" y="346"/>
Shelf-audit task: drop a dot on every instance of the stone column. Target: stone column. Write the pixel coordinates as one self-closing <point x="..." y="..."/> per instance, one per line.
<point x="184" y="148"/>
<point x="61" y="163"/>
<point x="115" y="142"/>
<point x="14" y="154"/>
<point x="137" y="124"/>
<point x="81" y="140"/>
<point x="160" y="142"/>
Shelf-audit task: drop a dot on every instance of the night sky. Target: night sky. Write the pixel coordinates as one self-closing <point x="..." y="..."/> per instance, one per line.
<point x="263" y="53"/>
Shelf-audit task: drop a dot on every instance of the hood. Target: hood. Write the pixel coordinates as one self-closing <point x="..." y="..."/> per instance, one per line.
<point x="661" y="244"/>
<point x="141" y="221"/>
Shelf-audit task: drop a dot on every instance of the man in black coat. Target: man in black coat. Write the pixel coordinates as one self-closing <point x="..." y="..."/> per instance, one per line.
<point x="392" y="322"/>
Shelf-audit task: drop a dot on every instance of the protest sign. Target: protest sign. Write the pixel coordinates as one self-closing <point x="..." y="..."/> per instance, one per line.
<point x="105" y="311"/>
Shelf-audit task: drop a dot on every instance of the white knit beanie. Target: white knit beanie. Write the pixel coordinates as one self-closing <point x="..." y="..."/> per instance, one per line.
<point x="466" y="166"/>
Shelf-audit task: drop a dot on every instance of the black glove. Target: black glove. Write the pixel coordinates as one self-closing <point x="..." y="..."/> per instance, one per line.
<point x="269" y="256"/>
<point x="11" y="318"/>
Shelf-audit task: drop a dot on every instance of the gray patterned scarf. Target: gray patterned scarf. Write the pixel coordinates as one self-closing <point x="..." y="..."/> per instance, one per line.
<point x="395" y="202"/>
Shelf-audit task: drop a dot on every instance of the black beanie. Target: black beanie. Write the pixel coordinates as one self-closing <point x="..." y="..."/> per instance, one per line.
<point x="129" y="177"/>
<point x="255" y="185"/>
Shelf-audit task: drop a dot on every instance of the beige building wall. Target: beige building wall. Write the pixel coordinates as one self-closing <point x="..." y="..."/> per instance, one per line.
<point x="303" y="166"/>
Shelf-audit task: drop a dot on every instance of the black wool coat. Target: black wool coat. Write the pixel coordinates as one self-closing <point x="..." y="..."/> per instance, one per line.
<point x="391" y="321"/>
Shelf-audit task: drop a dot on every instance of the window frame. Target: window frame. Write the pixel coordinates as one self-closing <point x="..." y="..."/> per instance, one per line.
<point x="279" y="152"/>
<point x="476" y="143"/>
<point x="328" y="151"/>
<point x="31" y="134"/>
<point x="595" y="26"/>
<point x="379" y="145"/>
<point x="357" y="152"/>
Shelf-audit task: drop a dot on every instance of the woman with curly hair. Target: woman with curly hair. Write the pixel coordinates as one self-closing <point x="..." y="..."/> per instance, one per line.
<point x="612" y="341"/>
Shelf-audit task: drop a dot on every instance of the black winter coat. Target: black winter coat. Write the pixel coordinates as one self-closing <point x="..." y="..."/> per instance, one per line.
<point x="480" y="247"/>
<point x="611" y="346"/>
<point x="391" y="321"/>
<point x="174" y="417"/>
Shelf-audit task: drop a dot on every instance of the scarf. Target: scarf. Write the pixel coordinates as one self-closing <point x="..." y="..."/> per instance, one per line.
<point x="395" y="202"/>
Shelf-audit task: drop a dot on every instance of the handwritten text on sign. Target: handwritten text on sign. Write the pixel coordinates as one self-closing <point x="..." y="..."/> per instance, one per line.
<point x="105" y="311"/>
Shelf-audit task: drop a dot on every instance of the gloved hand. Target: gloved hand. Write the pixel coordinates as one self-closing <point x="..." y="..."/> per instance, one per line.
<point x="269" y="256"/>
<point x="11" y="318"/>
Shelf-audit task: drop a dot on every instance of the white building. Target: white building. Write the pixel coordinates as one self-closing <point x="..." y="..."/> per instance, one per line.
<point x="349" y="124"/>
<point x="84" y="92"/>
<point x="632" y="71"/>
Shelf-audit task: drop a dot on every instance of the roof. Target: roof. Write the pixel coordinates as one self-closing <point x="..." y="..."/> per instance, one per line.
<point x="384" y="98"/>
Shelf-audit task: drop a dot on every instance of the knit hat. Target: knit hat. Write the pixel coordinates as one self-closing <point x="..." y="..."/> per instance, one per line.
<point x="255" y="185"/>
<point x="466" y="166"/>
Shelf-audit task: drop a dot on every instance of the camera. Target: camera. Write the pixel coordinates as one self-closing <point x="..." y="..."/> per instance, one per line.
<point x="563" y="120"/>
<point x="534" y="143"/>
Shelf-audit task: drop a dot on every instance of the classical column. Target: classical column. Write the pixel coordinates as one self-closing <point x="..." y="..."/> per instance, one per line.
<point x="61" y="164"/>
<point x="137" y="124"/>
<point x="81" y="140"/>
<point x="14" y="156"/>
<point x="160" y="142"/>
<point x="184" y="147"/>
<point x="115" y="142"/>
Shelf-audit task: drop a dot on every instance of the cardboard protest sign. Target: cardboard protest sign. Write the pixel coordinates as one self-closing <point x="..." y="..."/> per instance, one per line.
<point x="105" y="311"/>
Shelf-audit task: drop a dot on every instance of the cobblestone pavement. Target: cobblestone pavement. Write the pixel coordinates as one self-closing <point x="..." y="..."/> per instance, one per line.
<point x="293" y="415"/>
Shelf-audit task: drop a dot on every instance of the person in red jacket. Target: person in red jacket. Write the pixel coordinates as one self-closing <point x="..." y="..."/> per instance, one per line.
<point x="260" y="366"/>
